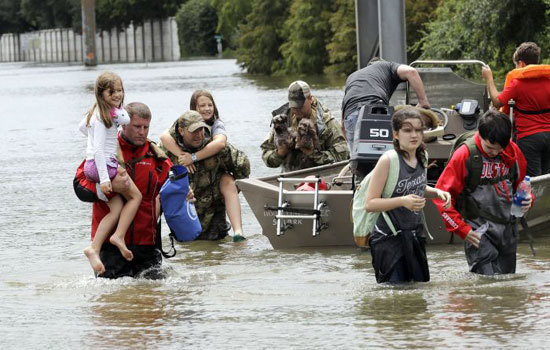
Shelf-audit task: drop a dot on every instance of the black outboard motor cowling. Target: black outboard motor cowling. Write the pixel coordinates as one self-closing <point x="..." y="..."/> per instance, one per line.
<point x="373" y="137"/>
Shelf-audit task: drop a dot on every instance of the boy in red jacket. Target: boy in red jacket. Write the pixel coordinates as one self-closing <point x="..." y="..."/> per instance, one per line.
<point x="483" y="218"/>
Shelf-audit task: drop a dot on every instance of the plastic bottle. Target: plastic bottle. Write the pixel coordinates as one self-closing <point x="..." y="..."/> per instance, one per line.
<point x="524" y="189"/>
<point x="482" y="229"/>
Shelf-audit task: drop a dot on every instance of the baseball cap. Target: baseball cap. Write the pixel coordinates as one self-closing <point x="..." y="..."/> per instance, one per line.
<point x="298" y="91"/>
<point x="192" y="120"/>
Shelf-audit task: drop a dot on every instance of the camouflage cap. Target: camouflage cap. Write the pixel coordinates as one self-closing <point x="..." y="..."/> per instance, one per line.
<point x="192" y="120"/>
<point x="298" y="91"/>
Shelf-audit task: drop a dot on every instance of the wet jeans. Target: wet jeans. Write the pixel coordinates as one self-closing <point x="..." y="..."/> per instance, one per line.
<point x="349" y="124"/>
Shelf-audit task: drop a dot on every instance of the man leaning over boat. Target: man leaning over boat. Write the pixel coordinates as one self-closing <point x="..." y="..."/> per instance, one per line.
<point x="375" y="84"/>
<point x="304" y="133"/>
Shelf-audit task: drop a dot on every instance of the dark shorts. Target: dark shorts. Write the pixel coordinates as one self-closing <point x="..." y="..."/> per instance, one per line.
<point x="401" y="258"/>
<point x="349" y="124"/>
<point x="536" y="148"/>
<point x="87" y="195"/>
<point x="146" y="263"/>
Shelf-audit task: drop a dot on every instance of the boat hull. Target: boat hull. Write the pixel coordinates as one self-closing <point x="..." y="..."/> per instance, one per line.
<point x="262" y="196"/>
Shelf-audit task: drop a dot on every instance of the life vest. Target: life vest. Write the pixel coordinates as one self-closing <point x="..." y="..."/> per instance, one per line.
<point x="528" y="72"/>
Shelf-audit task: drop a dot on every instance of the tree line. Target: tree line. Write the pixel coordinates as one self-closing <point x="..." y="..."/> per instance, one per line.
<point x="308" y="36"/>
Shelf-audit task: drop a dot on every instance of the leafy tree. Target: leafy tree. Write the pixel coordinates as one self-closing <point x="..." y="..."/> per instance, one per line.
<point x="45" y="14"/>
<point x="260" y="39"/>
<point x="418" y="13"/>
<point x="197" y="22"/>
<point x="231" y="14"/>
<point x="342" y="47"/>
<point x="488" y="30"/>
<point x="306" y="34"/>
<point x="119" y="13"/>
<point x="21" y="15"/>
<point x="10" y="19"/>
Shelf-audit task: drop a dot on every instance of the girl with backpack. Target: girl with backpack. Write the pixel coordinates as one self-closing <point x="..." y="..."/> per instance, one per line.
<point x="398" y="240"/>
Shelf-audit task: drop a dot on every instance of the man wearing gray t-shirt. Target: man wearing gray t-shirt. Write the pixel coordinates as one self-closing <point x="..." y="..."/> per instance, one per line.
<point x="376" y="83"/>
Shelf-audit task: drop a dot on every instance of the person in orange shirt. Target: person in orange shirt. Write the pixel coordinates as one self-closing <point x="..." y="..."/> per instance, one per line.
<point x="529" y="86"/>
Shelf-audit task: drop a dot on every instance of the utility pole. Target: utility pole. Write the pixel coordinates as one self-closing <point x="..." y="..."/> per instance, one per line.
<point x="380" y="26"/>
<point x="88" y="32"/>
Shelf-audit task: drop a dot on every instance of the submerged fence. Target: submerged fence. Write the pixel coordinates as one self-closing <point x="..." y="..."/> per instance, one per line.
<point x="154" y="40"/>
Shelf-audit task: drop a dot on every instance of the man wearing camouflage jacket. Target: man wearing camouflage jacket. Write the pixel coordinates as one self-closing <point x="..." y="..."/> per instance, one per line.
<point x="205" y="180"/>
<point x="332" y="146"/>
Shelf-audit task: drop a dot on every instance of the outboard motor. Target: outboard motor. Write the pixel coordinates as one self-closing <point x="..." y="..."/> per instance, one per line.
<point x="469" y="111"/>
<point x="373" y="137"/>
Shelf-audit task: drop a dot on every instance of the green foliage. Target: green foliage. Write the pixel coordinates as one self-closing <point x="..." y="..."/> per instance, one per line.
<point x="342" y="47"/>
<point x="197" y="22"/>
<point x="418" y="14"/>
<point x="119" y="13"/>
<point x="231" y="14"/>
<point x="45" y="14"/>
<point x="26" y="15"/>
<point x="10" y="20"/>
<point x="260" y="39"/>
<point x="306" y="33"/>
<point x="488" y="30"/>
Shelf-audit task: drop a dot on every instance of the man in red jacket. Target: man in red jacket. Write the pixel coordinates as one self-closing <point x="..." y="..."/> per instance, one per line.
<point x="148" y="167"/>
<point x="483" y="219"/>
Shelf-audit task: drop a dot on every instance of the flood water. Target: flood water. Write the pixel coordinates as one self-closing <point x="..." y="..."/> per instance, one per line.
<point x="219" y="295"/>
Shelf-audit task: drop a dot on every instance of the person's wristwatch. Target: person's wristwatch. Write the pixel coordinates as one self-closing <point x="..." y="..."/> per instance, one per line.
<point x="194" y="157"/>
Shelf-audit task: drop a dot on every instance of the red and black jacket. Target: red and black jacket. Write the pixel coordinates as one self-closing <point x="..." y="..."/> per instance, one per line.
<point x="149" y="170"/>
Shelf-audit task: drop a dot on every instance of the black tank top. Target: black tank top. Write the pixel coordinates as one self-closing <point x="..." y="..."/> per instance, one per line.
<point x="411" y="181"/>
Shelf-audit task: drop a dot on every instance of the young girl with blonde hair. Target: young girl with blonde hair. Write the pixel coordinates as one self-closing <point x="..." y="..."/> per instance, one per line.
<point x="101" y="127"/>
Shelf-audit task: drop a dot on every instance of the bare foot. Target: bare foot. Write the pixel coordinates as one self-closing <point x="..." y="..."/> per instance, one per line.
<point x="94" y="259"/>
<point x="126" y="253"/>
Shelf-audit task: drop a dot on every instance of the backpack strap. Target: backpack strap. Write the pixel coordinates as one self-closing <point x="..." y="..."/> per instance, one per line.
<point x="389" y="187"/>
<point x="393" y="174"/>
<point x="474" y="165"/>
<point x="158" y="240"/>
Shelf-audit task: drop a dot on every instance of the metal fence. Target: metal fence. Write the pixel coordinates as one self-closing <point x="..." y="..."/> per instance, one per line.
<point x="154" y="40"/>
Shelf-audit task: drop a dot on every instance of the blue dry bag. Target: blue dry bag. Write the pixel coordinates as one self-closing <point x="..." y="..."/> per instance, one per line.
<point x="179" y="213"/>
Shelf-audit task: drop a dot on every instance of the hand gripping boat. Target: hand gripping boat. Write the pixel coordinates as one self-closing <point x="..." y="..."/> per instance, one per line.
<point x="293" y="218"/>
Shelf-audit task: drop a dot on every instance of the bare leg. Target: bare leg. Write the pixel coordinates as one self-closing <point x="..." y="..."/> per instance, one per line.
<point x="103" y="230"/>
<point x="232" y="204"/>
<point x="129" y="210"/>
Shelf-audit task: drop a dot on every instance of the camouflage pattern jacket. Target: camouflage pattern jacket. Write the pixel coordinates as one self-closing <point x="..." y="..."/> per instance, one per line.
<point x="333" y="144"/>
<point x="205" y="182"/>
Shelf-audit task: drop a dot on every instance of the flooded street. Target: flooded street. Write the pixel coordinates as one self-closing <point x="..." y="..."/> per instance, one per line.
<point x="219" y="295"/>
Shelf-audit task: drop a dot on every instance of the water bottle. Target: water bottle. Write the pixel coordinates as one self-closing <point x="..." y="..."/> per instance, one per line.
<point x="524" y="189"/>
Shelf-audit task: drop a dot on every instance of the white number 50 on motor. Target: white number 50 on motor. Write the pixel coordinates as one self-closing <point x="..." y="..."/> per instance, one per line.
<point x="379" y="132"/>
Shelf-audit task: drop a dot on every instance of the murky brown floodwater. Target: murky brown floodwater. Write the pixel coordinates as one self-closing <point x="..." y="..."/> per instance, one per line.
<point x="218" y="294"/>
